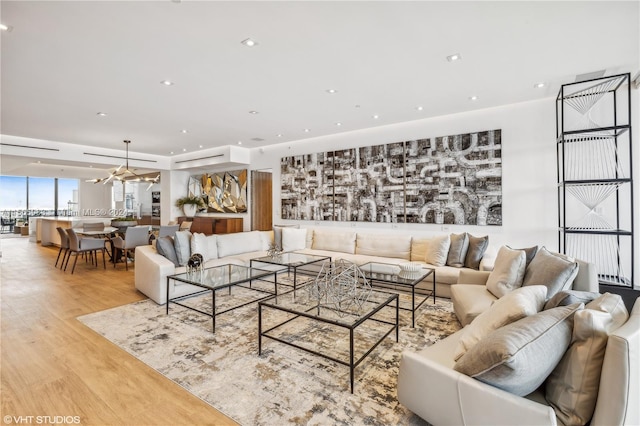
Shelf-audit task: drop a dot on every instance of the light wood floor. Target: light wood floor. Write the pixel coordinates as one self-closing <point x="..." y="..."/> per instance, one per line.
<point x="52" y="365"/>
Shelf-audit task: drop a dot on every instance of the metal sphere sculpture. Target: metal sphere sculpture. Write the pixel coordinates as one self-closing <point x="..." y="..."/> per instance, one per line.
<point x="340" y="285"/>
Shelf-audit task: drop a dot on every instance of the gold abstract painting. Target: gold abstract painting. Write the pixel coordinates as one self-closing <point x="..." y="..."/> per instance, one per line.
<point x="224" y="192"/>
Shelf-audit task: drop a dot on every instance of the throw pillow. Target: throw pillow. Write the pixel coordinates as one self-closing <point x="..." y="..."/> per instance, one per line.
<point x="507" y="273"/>
<point x="477" y="247"/>
<point x="206" y="245"/>
<point x="182" y="244"/>
<point x="293" y="239"/>
<point x="419" y="249"/>
<point x="458" y="250"/>
<point x="518" y="357"/>
<point x="554" y="271"/>
<point x="437" y="250"/>
<point x="277" y="233"/>
<point x="165" y="247"/>
<point x="515" y="305"/>
<point x="530" y="253"/>
<point x="572" y="388"/>
<point x="341" y="241"/>
<point x="569" y="297"/>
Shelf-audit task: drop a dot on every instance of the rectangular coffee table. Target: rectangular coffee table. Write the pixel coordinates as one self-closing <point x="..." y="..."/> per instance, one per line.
<point x="389" y="276"/>
<point x="221" y="277"/>
<point x="304" y="308"/>
<point x="300" y="263"/>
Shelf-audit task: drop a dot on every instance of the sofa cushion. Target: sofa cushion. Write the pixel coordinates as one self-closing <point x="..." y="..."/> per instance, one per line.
<point x="569" y="297"/>
<point x="518" y="357"/>
<point x="239" y="242"/>
<point x="293" y="239"/>
<point x="555" y="271"/>
<point x="419" y="249"/>
<point x="469" y="301"/>
<point x="395" y="246"/>
<point x="458" y="250"/>
<point x="477" y="247"/>
<point x="206" y="245"/>
<point x="182" y="244"/>
<point x="166" y="248"/>
<point x="519" y="303"/>
<point x="507" y="273"/>
<point x="344" y="242"/>
<point x="572" y="387"/>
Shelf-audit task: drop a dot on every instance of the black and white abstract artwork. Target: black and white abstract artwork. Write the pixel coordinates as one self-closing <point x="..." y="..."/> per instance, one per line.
<point x="443" y="180"/>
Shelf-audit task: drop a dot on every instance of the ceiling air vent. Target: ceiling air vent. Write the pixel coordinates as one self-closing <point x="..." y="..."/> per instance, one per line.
<point x="257" y="139"/>
<point x="590" y="76"/>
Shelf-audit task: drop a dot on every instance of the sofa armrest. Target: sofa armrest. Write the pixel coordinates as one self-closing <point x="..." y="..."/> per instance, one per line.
<point x="468" y="276"/>
<point x="151" y="273"/>
<point x="441" y="395"/>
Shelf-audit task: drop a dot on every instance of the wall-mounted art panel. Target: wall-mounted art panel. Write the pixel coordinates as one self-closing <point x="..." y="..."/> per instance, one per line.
<point x="223" y="192"/>
<point x="306" y="187"/>
<point x="444" y="180"/>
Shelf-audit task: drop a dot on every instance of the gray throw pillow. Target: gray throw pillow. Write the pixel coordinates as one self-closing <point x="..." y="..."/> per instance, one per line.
<point x="520" y="356"/>
<point x="569" y="297"/>
<point x="182" y="244"/>
<point x="530" y="253"/>
<point x="165" y="247"/>
<point x="458" y="250"/>
<point x="477" y="247"/>
<point x="554" y="271"/>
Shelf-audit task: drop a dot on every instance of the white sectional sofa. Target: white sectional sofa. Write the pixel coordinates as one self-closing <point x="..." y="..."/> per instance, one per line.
<point x="152" y="269"/>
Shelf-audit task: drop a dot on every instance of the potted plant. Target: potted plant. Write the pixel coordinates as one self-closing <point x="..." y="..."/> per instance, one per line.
<point x="190" y="204"/>
<point x="123" y="222"/>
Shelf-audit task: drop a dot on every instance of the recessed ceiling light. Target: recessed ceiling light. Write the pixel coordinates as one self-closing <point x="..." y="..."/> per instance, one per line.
<point x="279" y="135"/>
<point x="375" y="116"/>
<point x="239" y="142"/>
<point x="167" y="82"/>
<point x="171" y="153"/>
<point x="332" y="91"/>
<point x="4" y="27"/>
<point x="101" y="114"/>
<point x="184" y="131"/>
<point x="199" y="146"/>
<point x="454" y="57"/>
<point x="254" y="112"/>
<point x="184" y="149"/>
<point x="338" y="124"/>
<point x="419" y="108"/>
<point x="307" y="130"/>
<point x="473" y="98"/>
<point x="539" y="85"/>
<point x="249" y="42"/>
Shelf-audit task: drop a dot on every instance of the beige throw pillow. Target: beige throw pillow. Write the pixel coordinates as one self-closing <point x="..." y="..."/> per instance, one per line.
<point x="519" y="303"/>
<point x="555" y="271"/>
<point x="508" y="271"/>
<point x="437" y="250"/>
<point x="572" y="388"/>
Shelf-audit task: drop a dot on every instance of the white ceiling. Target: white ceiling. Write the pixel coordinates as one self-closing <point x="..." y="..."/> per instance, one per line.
<point x="63" y="62"/>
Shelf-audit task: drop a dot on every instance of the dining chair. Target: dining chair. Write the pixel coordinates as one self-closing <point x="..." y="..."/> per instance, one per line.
<point x="89" y="246"/>
<point x="64" y="246"/>
<point x="134" y="236"/>
<point x="168" y="230"/>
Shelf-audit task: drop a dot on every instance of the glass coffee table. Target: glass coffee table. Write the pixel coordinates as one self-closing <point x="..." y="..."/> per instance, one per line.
<point x="300" y="263"/>
<point x="224" y="277"/>
<point x="295" y="320"/>
<point x="389" y="276"/>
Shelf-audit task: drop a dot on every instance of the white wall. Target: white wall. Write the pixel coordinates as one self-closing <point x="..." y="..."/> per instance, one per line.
<point x="94" y="199"/>
<point x="529" y="169"/>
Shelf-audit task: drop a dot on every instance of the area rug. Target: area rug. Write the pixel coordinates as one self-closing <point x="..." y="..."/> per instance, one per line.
<point x="284" y="385"/>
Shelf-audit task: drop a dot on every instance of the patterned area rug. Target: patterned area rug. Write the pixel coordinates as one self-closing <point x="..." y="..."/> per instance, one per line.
<point x="284" y="384"/>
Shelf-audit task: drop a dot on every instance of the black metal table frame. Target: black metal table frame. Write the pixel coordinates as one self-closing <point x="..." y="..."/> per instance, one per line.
<point x="214" y="314"/>
<point x="290" y="266"/>
<point x="352" y="364"/>
<point x="387" y="284"/>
